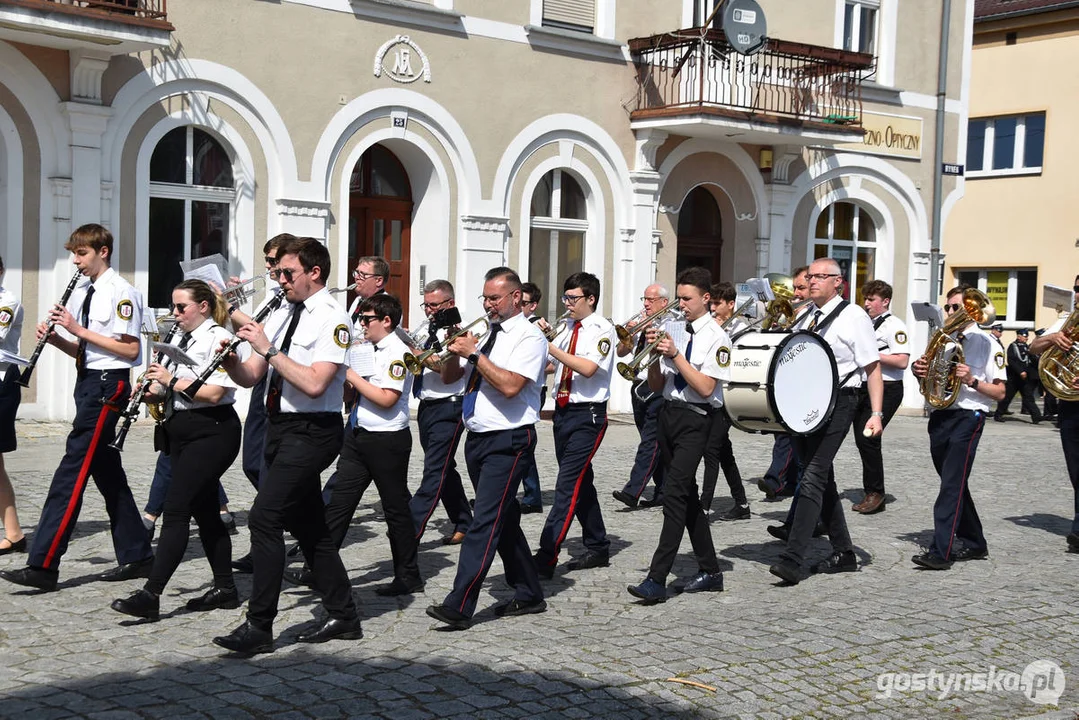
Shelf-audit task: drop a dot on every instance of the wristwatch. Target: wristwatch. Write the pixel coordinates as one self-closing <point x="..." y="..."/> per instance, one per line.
<point x="974" y="385"/>
<point x="270" y="352"/>
<point x="474" y="358"/>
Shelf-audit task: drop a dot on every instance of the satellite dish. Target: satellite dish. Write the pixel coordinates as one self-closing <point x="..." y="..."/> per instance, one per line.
<point x="744" y="26"/>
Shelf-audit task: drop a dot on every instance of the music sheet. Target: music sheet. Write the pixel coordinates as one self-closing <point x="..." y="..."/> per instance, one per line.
<point x="361" y="358"/>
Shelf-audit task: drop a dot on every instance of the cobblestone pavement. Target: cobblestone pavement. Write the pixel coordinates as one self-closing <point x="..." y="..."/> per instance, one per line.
<point x="818" y="649"/>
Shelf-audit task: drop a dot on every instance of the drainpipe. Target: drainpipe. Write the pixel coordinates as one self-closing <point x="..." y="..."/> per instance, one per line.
<point x="938" y="155"/>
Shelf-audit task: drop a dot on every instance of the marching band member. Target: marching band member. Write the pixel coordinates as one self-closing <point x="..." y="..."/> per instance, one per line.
<point x="646" y="405"/>
<point x="690" y="380"/>
<point x="719" y="451"/>
<point x="581" y="362"/>
<point x="849" y="332"/>
<point x="1068" y="416"/>
<point x="304" y="360"/>
<point x="531" y="497"/>
<point x="378" y="444"/>
<point x="954" y="433"/>
<point x="440" y="425"/>
<point x="11" y="315"/>
<point x="894" y="352"/>
<point x="1022" y="377"/>
<point x="104" y="315"/>
<point x="500" y="410"/>
<point x="204" y="440"/>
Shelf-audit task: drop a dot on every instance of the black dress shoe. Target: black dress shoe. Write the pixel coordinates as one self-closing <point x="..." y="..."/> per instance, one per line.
<point x="247" y="639"/>
<point x="244" y="564"/>
<point x="33" y="577"/>
<point x="779" y="532"/>
<point x="738" y="512"/>
<point x="591" y="560"/>
<point x="143" y="604"/>
<point x="14" y="546"/>
<point x="456" y="620"/>
<point x="128" y="571"/>
<point x="625" y="498"/>
<point x="304" y="576"/>
<point x="399" y="587"/>
<point x="1073" y="541"/>
<point x="769" y="487"/>
<point x="216" y="598"/>
<point x="970" y="553"/>
<point x="837" y="562"/>
<point x="529" y="509"/>
<point x="650" y="591"/>
<point x="705" y="582"/>
<point x="518" y="607"/>
<point x="929" y="561"/>
<point x="333" y="629"/>
<point x="788" y="571"/>
<point x="544" y="566"/>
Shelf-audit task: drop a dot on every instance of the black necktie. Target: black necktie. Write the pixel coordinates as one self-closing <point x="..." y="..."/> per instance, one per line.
<point x="185" y="341"/>
<point x="273" y="392"/>
<point x="468" y="404"/>
<point x="679" y="381"/>
<point x="815" y="320"/>
<point x="84" y="320"/>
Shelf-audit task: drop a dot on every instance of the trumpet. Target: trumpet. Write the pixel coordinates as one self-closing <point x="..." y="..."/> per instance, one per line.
<point x="638" y="322"/>
<point x="416" y="363"/>
<point x="738" y="312"/>
<point x="239" y="294"/>
<point x="647" y="357"/>
<point x="553" y="331"/>
<point x="415" y="338"/>
<point x="24" y="378"/>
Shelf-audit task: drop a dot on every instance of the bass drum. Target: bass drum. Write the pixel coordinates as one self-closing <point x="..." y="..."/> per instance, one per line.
<point x="781" y="382"/>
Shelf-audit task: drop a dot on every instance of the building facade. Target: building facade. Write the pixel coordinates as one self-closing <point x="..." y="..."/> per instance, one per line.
<point x="452" y="136"/>
<point x="1015" y="231"/>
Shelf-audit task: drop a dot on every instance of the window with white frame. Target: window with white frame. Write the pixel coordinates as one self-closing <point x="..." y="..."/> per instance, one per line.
<point x="579" y="15"/>
<point x="192" y="196"/>
<point x="860" y="25"/>
<point x="559" y="221"/>
<point x="702" y="10"/>
<point x="1009" y="145"/>
<point x="1013" y="291"/>
<point x="846" y="233"/>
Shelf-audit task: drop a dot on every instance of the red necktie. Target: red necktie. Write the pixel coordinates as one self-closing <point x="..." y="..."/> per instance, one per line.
<point x="565" y="382"/>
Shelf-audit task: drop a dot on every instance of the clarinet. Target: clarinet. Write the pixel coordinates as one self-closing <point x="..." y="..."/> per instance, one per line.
<point x="188" y="393"/>
<point x="131" y="413"/>
<point x="24" y="378"/>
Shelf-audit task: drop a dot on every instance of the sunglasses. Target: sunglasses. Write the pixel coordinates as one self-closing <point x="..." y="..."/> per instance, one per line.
<point x="179" y="307"/>
<point x="285" y="273"/>
<point x="954" y="307"/>
<point x="368" y="319"/>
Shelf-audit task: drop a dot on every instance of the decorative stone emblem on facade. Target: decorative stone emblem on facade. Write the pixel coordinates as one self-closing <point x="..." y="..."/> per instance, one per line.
<point x="397" y="57"/>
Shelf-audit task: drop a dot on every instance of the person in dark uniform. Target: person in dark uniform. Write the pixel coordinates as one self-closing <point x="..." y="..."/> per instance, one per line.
<point x="581" y="364"/>
<point x="690" y="378"/>
<point x="531" y="494"/>
<point x="440" y="426"/>
<point x="11" y="315"/>
<point x="954" y="433"/>
<point x="1022" y="371"/>
<point x="646" y="405"/>
<point x="894" y="349"/>
<point x="204" y="440"/>
<point x="377" y="446"/>
<point x="849" y="332"/>
<point x="719" y="452"/>
<point x="500" y="409"/>
<point x="304" y="361"/>
<point x="103" y="316"/>
<point x="1068" y="416"/>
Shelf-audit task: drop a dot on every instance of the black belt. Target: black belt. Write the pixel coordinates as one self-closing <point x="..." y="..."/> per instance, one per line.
<point x="592" y="406"/>
<point x="696" y="408"/>
<point x="104" y="374"/>
<point x="850" y="390"/>
<point x="308" y="417"/>
<point x="440" y="401"/>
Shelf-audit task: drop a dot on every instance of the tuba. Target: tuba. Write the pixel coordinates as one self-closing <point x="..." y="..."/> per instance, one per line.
<point x="944" y="352"/>
<point x="1057" y="368"/>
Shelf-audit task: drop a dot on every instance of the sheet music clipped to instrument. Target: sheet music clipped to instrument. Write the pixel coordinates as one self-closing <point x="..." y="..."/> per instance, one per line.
<point x="361" y="358"/>
<point x="676" y="329"/>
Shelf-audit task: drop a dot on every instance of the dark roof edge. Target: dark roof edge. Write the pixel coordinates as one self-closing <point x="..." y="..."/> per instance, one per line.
<point x="1027" y="11"/>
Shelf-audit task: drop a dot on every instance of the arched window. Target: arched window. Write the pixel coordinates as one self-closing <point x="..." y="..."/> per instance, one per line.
<point x="700" y="233"/>
<point x="847" y="233"/>
<point x="192" y="194"/>
<point x="556" y="239"/>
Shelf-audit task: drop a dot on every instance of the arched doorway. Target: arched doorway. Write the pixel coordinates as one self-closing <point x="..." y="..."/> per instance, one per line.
<point x="380" y="217"/>
<point x="700" y="232"/>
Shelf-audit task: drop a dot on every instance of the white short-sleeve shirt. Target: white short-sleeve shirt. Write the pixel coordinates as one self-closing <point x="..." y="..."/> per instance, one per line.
<point x="595" y="341"/>
<point x="205" y="341"/>
<point x="11" y="316"/>
<point x="391" y="374"/>
<point x="982" y="354"/>
<point x="115" y="310"/>
<point x="711" y="355"/>
<point x="852" y="339"/>
<point x="892" y="339"/>
<point x="521" y="348"/>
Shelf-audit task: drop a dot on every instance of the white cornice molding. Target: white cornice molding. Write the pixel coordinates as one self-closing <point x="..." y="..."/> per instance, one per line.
<point x="485" y="223"/>
<point x="303" y="208"/>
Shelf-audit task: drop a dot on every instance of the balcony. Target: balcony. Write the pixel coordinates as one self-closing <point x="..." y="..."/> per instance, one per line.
<point x="693" y="83"/>
<point x="106" y="26"/>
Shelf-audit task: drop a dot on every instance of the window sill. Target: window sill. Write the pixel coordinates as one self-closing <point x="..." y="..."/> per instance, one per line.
<point x="571" y="41"/>
<point x="1009" y="172"/>
<point x="874" y="92"/>
<point x="409" y="12"/>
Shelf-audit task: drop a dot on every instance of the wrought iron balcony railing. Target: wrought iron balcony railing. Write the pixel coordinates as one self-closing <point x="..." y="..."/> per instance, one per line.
<point x="151" y="13"/>
<point x="695" y="72"/>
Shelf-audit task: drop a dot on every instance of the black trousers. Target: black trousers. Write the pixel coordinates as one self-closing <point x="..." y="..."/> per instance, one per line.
<point x="98" y="397"/>
<point x="497" y="462"/>
<point x="298" y="448"/>
<point x="1069" y="440"/>
<point x="204" y="443"/>
<point x="383" y="458"/>
<point x="682" y="437"/>
<point x="440" y="427"/>
<point x="646" y="463"/>
<point x="719" y="453"/>
<point x="1025" y="388"/>
<point x="818" y="497"/>
<point x="953" y="441"/>
<point x="870" y="448"/>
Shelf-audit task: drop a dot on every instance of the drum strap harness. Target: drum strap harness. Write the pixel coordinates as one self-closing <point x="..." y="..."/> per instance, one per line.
<point x="880" y="320"/>
<point x="819" y="329"/>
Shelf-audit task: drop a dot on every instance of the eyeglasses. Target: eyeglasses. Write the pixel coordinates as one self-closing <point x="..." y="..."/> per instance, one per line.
<point x="179" y="307"/>
<point x="270" y="260"/>
<point x="821" y="276"/>
<point x="362" y="276"/>
<point x="954" y="307"/>
<point x="367" y="319"/>
<point x="529" y="301"/>
<point x="571" y="299"/>
<point x="286" y="273"/>
<point x="493" y="299"/>
<point x="645" y="298"/>
<point x="435" y="305"/>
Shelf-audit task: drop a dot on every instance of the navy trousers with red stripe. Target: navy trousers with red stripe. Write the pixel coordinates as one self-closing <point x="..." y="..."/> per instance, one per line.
<point x="88" y="455"/>
<point x="578" y="431"/>
<point x="953" y="442"/>
<point x="497" y="461"/>
<point x="646" y="464"/>
<point x="440" y="427"/>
